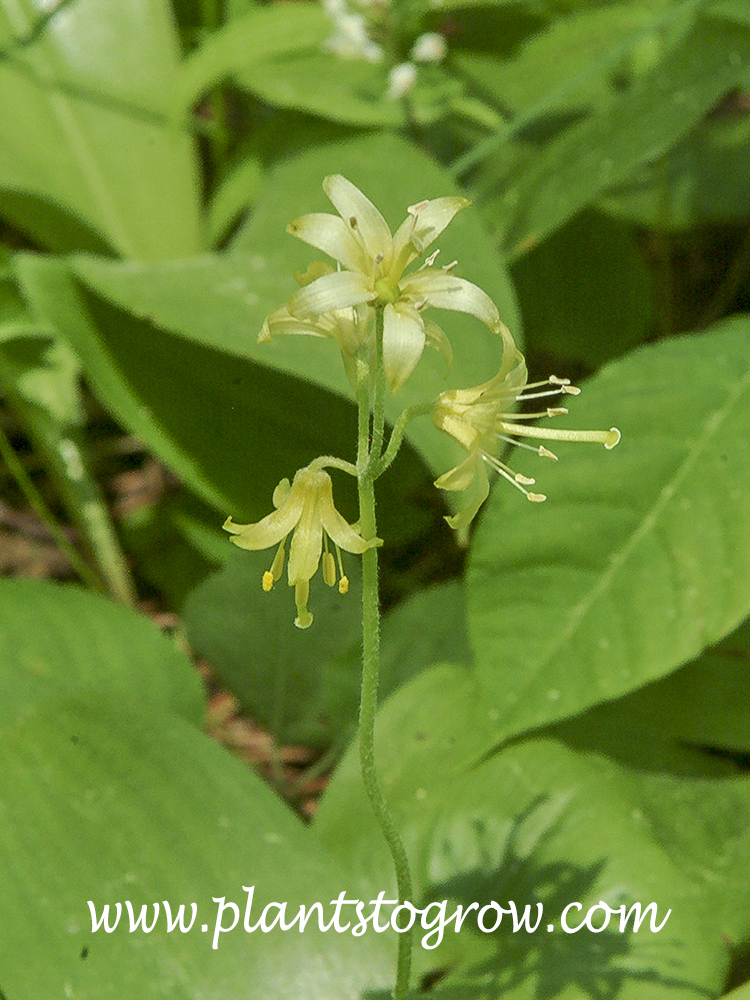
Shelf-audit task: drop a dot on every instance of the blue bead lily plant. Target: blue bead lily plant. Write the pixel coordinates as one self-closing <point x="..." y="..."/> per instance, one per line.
<point x="373" y="303"/>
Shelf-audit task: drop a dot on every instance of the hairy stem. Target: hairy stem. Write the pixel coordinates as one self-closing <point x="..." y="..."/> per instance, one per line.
<point x="370" y="670"/>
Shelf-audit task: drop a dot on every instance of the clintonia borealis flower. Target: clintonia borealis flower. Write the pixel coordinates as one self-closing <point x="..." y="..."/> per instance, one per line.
<point x="306" y="508"/>
<point x="373" y="263"/>
<point x="480" y="418"/>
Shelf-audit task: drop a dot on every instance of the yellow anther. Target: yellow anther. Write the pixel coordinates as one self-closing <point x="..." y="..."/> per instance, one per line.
<point x="268" y="580"/>
<point x="344" y="585"/>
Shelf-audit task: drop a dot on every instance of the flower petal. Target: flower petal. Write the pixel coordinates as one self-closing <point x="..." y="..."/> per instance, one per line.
<point x="424" y="225"/>
<point x="436" y="338"/>
<point x="359" y="213"/>
<point x="445" y="291"/>
<point x="338" y="528"/>
<point x="307" y="540"/>
<point x="403" y="342"/>
<point x="332" y="291"/>
<point x="272" y="528"/>
<point x="281" y="322"/>
<point x="333" y="236"/>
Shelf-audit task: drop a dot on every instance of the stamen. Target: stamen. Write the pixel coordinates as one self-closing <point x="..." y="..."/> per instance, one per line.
<point x="344" y="585"/>
<point x="526" y="480"/>
<point x="329" y="569"/>
<point x="513" y="477"/>
<point x="416" y="209"/>
<point x="429" y="261"/>
<point x="522" y="396"/>
<point x="546" y="453"/>
<point x="449" y="267"/>
<point x="277" y="566"/>
<point x="554" y="380"/>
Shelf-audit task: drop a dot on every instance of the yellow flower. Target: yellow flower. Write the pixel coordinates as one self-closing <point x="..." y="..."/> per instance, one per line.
<point x="306" y="508"/>
<point x="374" y="262"/>
<point x="480" y="418"/>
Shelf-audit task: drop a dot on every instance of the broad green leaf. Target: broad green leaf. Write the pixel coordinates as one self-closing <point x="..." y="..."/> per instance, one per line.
<point x="58" y="641"/>
<point x="602" y="152"/>
<point x="258" y="34"/>
<point x="109" y="808"/>
<point x="704" y="179"/>
<point x="198" y="408"/>
<point x="538" y="823"/>
<point x="302" y="686"/>
<point x="585" y="292"/>
<point x="661" y="726"/>
<point x="238" y="190"/>
<point x="84" y="122"/>
<point x="640" y="558"/>
<point x="352" y="91"/>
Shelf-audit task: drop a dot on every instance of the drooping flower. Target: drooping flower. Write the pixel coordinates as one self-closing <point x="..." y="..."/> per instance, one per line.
<point x="373" y="263"/>
<point x="306" y="508"/>
<point x="480" y="419"/>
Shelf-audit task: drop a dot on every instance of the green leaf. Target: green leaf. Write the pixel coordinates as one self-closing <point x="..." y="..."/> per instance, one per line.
<point x="538" y="823"/>
<point x="663" y="725"/>
<point x="260" y="33"/>
<point x="108" y="808"/>
<point x="58" y="641"/>
<point x="704" y="179"/>
<point x="84" y="124"/>
<point x="640" y="126"/>
<point x="640" y="558"/>
<point x="350" y="91"/>
<point x="302" y="686"/>
<point x="585" y="292"/>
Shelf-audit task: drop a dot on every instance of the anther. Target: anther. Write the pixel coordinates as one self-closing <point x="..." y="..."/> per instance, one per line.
<point x="419" y="207"/>
<point x="554" y="380"/>
<point x="546" y="453"/>
<point x="449" y="267"/>
<point x="431" y="259"/>
<point x="526" y="480"/>
<point x="344" y="585"/>
<point x="557" y="411"/>
<point x="536" y="497"/>
<point x="268" y="580"/>
<point x="353" y="221"/>
<point x="571" y="390"/>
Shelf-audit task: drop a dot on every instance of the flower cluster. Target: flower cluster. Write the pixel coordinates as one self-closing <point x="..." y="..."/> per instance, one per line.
<point x="373" y="277"/>
<point x="358" y="23"/>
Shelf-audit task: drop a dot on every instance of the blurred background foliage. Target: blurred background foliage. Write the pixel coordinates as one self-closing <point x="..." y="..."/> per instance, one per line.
<point x="569" y="696"/>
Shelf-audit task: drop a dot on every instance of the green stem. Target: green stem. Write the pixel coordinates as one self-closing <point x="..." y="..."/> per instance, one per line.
<point x="40" y="508"/>
<point x="378" y="406"/>
<point x="370" y="672"/>
<point x="397" y="435"/>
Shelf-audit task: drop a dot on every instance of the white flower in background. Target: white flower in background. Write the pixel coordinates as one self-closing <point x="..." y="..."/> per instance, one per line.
<point x="351" y="39"/>
<point x="400" y="80"/>
<point x="430" y="47"/>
